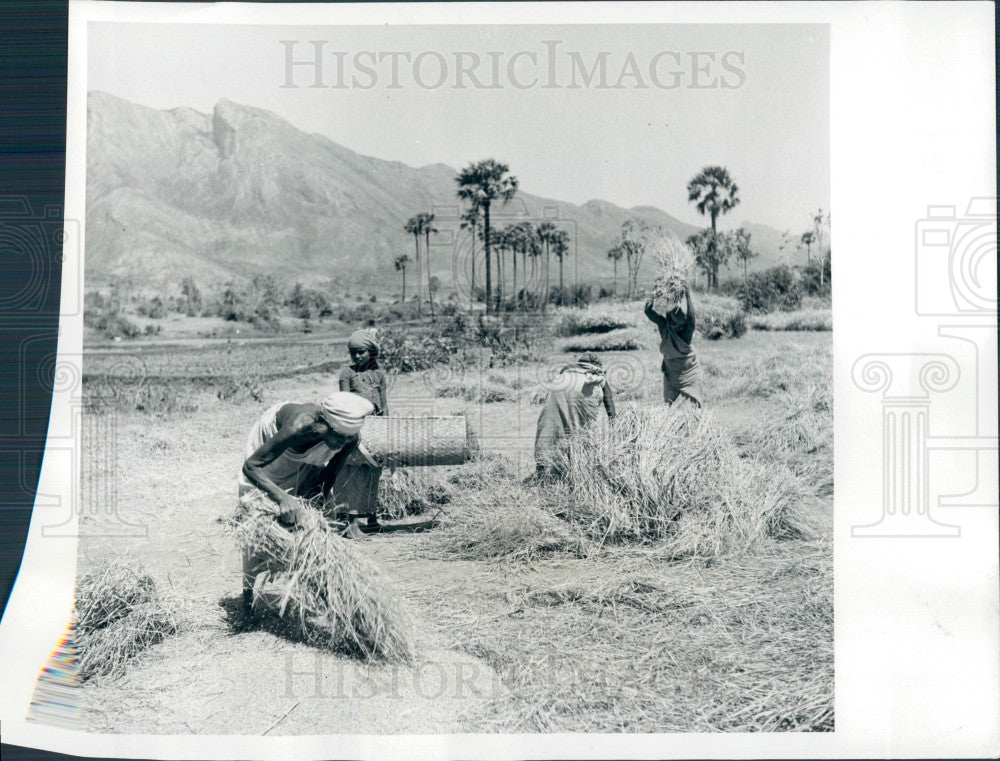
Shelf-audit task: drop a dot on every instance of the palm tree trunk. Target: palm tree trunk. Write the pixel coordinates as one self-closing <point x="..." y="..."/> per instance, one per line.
<point x="472" y="287"/>
<point x="403" y="300"/>
<point x="514" y="256"/>
<point x="416" y="265"/>
<point x="545" y="293"/>
<point x="427" y="249"/>
<point x="486" y="248"/>
<point x="614" y="288"/>
<point x="561" y="291"/>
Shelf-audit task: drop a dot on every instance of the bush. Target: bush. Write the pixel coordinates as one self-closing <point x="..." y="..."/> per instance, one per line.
<point x="153" y="308"/>
<point x="773" y="289"/>
<point x="719" y="317"/>
<point x="602" y="319"/>
<point x="812" y="283"/>
<point x="190" y="302"/>
<point x="241" y="388"/>
<point x="308" y="303"/>
<point x="256" y="303"/>
<point x="104" y="314"/>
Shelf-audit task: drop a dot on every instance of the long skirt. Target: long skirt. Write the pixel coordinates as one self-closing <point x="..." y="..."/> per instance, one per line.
<point x="682" y="376"/>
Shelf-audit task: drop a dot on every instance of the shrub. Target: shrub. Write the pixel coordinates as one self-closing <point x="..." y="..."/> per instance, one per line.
<point x="308" y="303"/>
<point x="812" y="283"/>
<point x="626" y="339"/>
<point x="719" y="317"/>
<point x="773" y="289"/>
<point x="153" y="308"/>
<point x="238" y="388"/>
<point x="190" y="301"/>
<point x="600" y="319"/>
<point x="256" y="303"/>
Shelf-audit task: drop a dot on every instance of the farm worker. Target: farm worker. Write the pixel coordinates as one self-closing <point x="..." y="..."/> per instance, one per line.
<point x="363" y="376"/>
<point x="295" y="450"/>
<point x="356" y="484"/>
<point x="681" y="371"/>
<point x="572" y="403"/>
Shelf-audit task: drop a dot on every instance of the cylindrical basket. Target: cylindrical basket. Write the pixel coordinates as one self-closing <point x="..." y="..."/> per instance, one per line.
<point x="418" y="440"/>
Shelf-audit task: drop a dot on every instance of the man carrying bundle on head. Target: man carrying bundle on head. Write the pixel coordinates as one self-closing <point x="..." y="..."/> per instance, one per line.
<point x="571" y="404"/>
<point x="295" y="450"/>
<point x="681" y="371"/>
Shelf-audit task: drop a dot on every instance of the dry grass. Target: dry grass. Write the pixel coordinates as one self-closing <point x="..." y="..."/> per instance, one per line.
<point x="485" y="392"/>
<point x="801" y="436"/>
<point x="802" y="319"/>
<point x="599" y="318"/>
<point x="330" y="590"/>
<point x="669" y="475"/>
<point x="119" y="613"/>
<point x="626" y="339"/>
<point x="740" y="646"/>
<point x="411" y="491"/>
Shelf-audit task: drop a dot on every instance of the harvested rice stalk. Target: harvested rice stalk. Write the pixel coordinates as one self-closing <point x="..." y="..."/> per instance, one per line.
<point x="669" y="475"/>
<point x="119" y="613"/>
<point x="333" y="593"/>
<point x="676" y="263"/>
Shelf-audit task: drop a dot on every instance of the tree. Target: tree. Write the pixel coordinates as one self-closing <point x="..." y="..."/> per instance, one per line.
<point x="414" y="227"/>
<point x="715" y="193"/>
<point x="633" y="244"/>
<point x="470" y="221"/>
<point x="742" y="248"/>
<point x="427" y="227"/>
<point x="808" y="238"/>
<point x="401" y="262"/>
<point x="820" y="221"/>
<point x="711" y="251"/>
<point x="560" y="247"/>
<point x="528" y="241"/>
<point x="544" y="233"/>
<point x="481" y="183"/>
<point x="614" y="254"/>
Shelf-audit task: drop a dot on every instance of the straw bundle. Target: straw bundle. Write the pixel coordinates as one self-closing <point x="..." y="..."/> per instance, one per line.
<point x="119" y="613"/>
<point x="418" y="440"/>
<point x="669" y="475"/>
<point x="330" y="591"/>
<point x="676" y="264"/>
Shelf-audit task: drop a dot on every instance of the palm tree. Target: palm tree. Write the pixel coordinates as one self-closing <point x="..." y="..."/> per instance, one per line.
<point x="482" y="183"/>
<point x="614" y="254"/>
<point x="744" y="251"/>
<point x="529" y="243"/>
<point x="715" y="193"/>
<point x="808" y="238"/>
<point x="427" y="227"/>
<point x="414" y="227"/>
<point x="544" y="233"/>
<point x="560" y="247"/>
<point x="401" y="262"/>
<point x="470" y="221"/>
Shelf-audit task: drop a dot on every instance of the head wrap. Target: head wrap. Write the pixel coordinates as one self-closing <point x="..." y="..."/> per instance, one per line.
<point x="588" y="364"/>
<point x="345" y="412"/>
<point x="364" y="340"/>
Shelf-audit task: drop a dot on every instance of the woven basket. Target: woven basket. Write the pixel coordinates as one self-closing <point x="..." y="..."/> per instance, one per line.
<point x="419" y="440"/>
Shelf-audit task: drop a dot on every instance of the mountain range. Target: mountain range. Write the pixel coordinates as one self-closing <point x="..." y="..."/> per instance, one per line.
<point x="241" y="191"/>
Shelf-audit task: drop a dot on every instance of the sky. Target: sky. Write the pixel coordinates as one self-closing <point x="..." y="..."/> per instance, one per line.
<point x="672" y="99"/>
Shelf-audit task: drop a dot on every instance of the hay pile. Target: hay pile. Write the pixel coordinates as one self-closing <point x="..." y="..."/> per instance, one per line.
<point x="332" y="594"/>
<point x="676" y="264"/>
<point x="119" y="613"/>
<point x="670" y="476"/>
<point x="411" y="491"/>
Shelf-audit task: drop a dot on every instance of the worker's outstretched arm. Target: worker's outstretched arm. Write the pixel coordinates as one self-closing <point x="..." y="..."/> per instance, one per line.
<point x="651" y="313"/>
<point x="254" y="468"/>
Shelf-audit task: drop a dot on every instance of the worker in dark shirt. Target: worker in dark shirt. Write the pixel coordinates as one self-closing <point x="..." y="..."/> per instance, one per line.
<point x="681" y="371"/>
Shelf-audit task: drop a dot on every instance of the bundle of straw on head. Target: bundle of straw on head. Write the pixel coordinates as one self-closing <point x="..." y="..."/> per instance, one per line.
<point x="330" y="591"/>
<point x="676" y="264"/>
<point x="118" y="614"/>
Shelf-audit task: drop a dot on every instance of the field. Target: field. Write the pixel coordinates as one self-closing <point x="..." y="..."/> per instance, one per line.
<point x="544" y="636"/>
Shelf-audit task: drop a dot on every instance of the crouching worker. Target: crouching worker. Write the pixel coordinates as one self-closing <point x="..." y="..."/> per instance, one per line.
<point x="296" y="450"/>
<point x="681" y="371"/>
<point x="572" y="403"/>
<point x="356" y="483"/>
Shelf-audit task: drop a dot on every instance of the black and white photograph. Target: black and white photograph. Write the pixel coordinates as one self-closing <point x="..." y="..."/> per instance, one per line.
<point x="452" y="378"/>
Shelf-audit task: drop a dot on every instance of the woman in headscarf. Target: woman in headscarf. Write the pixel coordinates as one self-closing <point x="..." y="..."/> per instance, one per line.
<point x="681" y="371"/>
<point x="296" y="450"/>
<point x="572" y="403"/>
<point x="356" y="487"/>
<point x="363" y="376"/>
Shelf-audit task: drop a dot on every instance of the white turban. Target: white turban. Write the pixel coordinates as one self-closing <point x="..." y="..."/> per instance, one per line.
<point x="345" y="412"/>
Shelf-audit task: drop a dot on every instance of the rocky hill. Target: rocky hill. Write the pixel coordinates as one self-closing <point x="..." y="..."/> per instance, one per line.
<point x="241" y="191"/>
